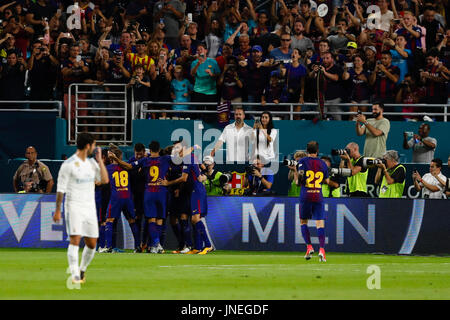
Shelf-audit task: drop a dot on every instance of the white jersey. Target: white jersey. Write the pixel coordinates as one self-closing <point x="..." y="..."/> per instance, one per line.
<point x="76" y="179"/>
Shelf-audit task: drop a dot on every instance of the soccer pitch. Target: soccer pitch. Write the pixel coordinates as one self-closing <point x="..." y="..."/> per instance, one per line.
<point x="223" y="275"/>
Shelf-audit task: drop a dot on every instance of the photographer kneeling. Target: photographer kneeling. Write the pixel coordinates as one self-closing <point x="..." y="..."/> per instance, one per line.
<point x="258" y="179"/>
<point x="357" y="183"/>
<point x="214" y="184"/>
<point x="392" y="175"/>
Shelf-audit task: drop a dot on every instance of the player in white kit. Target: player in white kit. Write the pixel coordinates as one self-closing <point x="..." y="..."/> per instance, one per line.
<point x="76" y="179"/>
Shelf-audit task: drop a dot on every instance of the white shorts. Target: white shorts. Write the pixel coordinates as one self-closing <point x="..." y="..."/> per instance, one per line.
<point x="81" y="220"/>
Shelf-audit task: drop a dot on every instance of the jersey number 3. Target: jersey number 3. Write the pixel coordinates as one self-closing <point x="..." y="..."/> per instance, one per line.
<point x="314" y="179"/>
<point x="121" y="178"/>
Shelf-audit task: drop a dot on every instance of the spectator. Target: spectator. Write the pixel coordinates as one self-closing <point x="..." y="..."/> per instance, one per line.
<point x="38" y="13"/>
<point x="42" y="66"/>
<point x="169" y="13"/>
<point x="299" y="40"/>
<point x="181" y="89"/>
<point x="357" y="183"/>
<point x="330" y="188"/>
<point x="275" y="91"/>
<point x="386" y="16"/>
<point x="295" y="80"/>
<point x="331" y="75"/>
<point x="376" y="131"/>
<point x="409" y="93"/>
<point x="400" y="55"/>
<point x="359" y="77"/>
<point x="32" y="175"/>
<point x="411" y="33"/>
<point x="237" y="137"/>
<point x="8" y="44"/>
<point x="294" y="189"/>
<point x="432" y="25"/>
<point x="371" y="61"/>
<point x="422" y="144"/>
<point x="244" y="50"/>
<point x="214" y="39"/>
<point x="255" y="73"/>
<point x="186" y="42"/>
<point x="384" y="78"/>
<point x="263" y="138"/>
<point x="283" y="52"/>
<point x="141" y="57"/>
<point x="160" y="90"/>
<point x="140" y="83"/>
<point x="227" y="51"/>
<point x="260" y="180"/>
<point x="125" y="44"/>
<point x="433" y="183"/>
<point x="12" y="78"/>
<point x="392" y="175"/>
<point x="231" y="83"/>
<point x="205" y="71"/>
<point x="340" y="36"/>
<point x="434" y="77"/>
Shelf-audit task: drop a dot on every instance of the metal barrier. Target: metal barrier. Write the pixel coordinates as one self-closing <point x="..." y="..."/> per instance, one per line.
<point x="25" y="102"/>
<point x="290" y="106"/>
<point x="115" y="109"/>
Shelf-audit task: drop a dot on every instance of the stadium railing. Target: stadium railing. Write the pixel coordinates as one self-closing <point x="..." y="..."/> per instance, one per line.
<point x="287" y="109"/>
<point x="23" y="106"/>
<point x="119" y="124"/>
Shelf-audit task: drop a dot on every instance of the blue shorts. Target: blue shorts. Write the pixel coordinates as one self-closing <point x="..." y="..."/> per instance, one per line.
<point x="155" y="204"/>
<point x="312" y="210"/>
<point x="117" y="206"/>
<point x="98" y="206"/>
<point x="199" y="204"/>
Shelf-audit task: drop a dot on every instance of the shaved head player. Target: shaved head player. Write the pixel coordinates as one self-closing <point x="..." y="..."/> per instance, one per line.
<point x="76" y="179"/>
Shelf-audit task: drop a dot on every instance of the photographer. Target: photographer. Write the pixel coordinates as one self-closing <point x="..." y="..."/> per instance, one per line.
<point x="330" y="188"/>
<point x="432" y="184"/>
<point x="213" y="184"/>
<point x="32" y="176"/>
<point x="294" y="189"/>
<point x="357" y="183"/>
<point x="258" y="179"/>
<point x="392" y="175"/>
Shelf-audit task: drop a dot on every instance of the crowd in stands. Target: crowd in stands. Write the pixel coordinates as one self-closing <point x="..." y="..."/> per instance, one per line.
<point x="255" y="51"/>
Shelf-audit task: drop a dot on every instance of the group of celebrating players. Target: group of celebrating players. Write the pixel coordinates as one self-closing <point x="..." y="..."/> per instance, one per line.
<point x="149" y="188"/>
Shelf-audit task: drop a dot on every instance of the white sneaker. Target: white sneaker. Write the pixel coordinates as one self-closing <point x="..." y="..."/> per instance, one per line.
<point x="153" y="250"/>
<point x="159" y="248"/>
<point x="185" y="250"/>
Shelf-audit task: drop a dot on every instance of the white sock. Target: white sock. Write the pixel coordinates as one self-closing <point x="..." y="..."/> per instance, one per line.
<point x="72" y="256"/>
<point x="86" y="258"/>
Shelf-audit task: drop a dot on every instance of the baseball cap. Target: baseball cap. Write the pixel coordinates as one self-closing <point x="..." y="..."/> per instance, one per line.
<point x="371" y="48"/>
<point x="352" y="44"/>
<point x="208" y="160"/>
<point x="257" y="48"/>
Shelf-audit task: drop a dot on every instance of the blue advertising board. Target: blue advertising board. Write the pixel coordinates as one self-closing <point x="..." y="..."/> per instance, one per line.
<point x="401" y="226"/>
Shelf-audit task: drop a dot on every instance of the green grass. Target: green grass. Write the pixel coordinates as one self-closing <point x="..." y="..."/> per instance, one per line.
<point x="40" y="274"/>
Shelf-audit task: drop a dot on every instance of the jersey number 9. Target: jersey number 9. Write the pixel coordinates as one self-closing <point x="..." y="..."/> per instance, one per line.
<point x="154" y="173"/>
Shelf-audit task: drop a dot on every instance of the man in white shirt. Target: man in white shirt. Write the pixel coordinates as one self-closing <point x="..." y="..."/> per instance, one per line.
<point x="431" y="183"/>
<point x="386" y="16"/>
<point x="237" y="137"/>
<point x="76" y="179"/>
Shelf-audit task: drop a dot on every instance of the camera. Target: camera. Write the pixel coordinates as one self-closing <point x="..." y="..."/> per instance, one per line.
<point x="343" y="172"/>
<point x="249" y="169"/>
<point x="371" y="162"/>
<point x="289" y="163"/>
<point x="340" y="152"/>
<point x="225" y="178"/>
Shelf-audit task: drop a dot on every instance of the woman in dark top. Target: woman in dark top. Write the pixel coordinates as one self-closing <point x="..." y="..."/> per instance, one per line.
<point x="360" y="90"/>
<point x="295" y="80"/>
